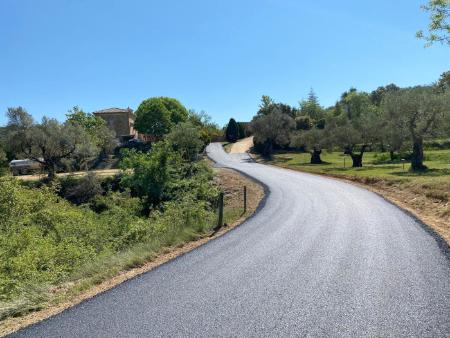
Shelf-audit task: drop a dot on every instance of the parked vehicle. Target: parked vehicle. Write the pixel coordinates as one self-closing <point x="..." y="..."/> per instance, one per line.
<point x="25" y="166"/>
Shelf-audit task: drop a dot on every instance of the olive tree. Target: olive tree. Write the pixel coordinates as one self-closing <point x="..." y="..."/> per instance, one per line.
<point x="356" y="127"/>
<point x="271" y="130"/>
<point x="313" y="141"/>
<point x="420" y="112"/>
<point x="47" y="142"/>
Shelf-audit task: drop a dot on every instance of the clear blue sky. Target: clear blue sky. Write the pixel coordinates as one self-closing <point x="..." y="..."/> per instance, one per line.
<point x="217" y="56"/>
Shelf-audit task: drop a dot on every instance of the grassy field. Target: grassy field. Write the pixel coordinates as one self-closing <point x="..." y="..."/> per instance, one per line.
<point x="426" y="194"/>
<point x="375" y="165"/>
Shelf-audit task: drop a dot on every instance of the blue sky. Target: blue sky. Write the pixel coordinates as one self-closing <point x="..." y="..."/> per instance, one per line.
<point x="217" y="56"/>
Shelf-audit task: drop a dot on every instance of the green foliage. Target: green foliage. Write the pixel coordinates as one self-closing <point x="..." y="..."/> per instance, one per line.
<point x="443" y="83"/>
<point x="232" y="131"/>
<point x="417" y="113"/>
<point x="151" y="172"/>
<point x="162" y="175"/>
<point x="272" y="130"/>
<point x="3" y="161"/>
<point x="156" y="116"/>
<point x="80" y="190"/>
<point x="48" y="142"/>
<point x="45" y="241"/>
<point x="378" y="94"/>
<point x="95" y="127"/>
<point x="209" y="131"/>
<point x="439" y="26"/>
<point x="186" y="139"/>
<point x="311" y="107"/>
<point x="303" y="123"/>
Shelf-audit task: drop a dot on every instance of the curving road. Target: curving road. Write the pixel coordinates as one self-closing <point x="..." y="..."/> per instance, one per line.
<point x="322" y="258"/>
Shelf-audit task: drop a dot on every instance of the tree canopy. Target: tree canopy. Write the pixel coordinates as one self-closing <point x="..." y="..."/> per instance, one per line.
<point x="420" y="112"/>
<point x="439" y="26"/>
<point x="232" y="131"/>
<point x="157" y="115"/>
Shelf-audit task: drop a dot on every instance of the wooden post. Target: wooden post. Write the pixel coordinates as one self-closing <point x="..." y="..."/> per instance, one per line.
<point x="220" y="220"/>
<point x="245" y="199"/>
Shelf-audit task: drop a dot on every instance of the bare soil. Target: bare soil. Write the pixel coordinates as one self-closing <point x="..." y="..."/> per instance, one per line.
<point x="242" y="146"/>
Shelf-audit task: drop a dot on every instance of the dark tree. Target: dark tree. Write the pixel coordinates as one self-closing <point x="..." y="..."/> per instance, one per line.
<point x="232" y="131"/>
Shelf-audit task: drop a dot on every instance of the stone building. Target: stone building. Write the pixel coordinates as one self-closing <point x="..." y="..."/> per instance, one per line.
<point x="121" y="121"/>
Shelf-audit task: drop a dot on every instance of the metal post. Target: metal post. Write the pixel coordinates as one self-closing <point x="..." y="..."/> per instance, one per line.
<point x="245" y="199"/>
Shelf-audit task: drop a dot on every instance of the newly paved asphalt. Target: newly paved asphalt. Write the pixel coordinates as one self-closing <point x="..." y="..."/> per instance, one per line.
<point x="322" y="258"/>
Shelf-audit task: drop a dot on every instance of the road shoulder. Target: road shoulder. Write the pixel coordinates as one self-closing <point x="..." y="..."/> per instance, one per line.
<point x="230" y="181"/>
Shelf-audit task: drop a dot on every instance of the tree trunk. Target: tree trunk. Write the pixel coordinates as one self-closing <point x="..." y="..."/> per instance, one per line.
<point x="392" y="155"/>
<point x="315" y="156"/>
<point x="417" y="155"/>
<point x="51" y="168"/>
<point x="268" y="149"/>
<point x="357" y="160"/>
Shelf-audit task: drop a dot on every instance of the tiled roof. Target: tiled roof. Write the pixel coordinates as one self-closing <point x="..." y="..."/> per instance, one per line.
<point x="113" y="110"/>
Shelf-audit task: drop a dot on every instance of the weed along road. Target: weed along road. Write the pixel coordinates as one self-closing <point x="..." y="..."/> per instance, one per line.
<point x="322" y="258"/>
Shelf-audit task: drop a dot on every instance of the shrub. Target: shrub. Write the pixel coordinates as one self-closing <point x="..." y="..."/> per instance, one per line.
<point x="81" y="190"/>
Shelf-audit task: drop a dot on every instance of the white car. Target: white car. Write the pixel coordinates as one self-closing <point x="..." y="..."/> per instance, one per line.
<point x="25" y="166"/>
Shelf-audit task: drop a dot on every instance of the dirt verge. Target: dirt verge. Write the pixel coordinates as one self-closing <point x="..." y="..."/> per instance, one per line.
<point x="230" y="181"/>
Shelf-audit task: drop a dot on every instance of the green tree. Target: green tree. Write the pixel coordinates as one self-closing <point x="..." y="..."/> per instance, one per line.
<point x="232" y="131"/>
<point x="264" y="106"/>
<point x="151" y="172"/>
<point x="419" y="111"/>
<point x="96" y="129"/>
<point x="443" y="83"/>
<point x="303" y="123"/>
<point x="439" y="26"/>
<point x="47" y="142"/>
<point x="186" y="139"/>
<point x="377" y="95"/>
<point x="313" y="141"/>
<point x="157" y="115"/>
<point x="311" y="107"/>
<point x="354" y="136"/>
<point x="271" y="130"/>
<point x="355" y="103"/>
<point x="208" y="130"/>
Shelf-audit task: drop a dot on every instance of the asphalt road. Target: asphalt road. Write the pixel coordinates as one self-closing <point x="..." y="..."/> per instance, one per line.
<point x="322" y="258"/>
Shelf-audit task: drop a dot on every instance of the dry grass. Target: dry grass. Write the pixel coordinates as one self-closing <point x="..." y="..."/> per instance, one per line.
<point x="142" y="258"/>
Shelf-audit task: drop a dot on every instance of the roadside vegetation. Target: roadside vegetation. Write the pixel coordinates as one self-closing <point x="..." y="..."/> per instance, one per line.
<point x="394" y="139"/>
<point x="60" y="236"/>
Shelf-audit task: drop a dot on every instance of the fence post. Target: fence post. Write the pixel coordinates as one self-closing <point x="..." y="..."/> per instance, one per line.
<point x="245" y="199"/>
<point x="220" y="220"/>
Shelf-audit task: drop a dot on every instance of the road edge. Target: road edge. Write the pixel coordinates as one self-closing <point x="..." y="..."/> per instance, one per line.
<point x="442" y="244"/>
<point x="12" y="325"/>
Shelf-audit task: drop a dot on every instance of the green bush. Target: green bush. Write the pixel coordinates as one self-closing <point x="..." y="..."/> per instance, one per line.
<point x="47" y="241"/>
